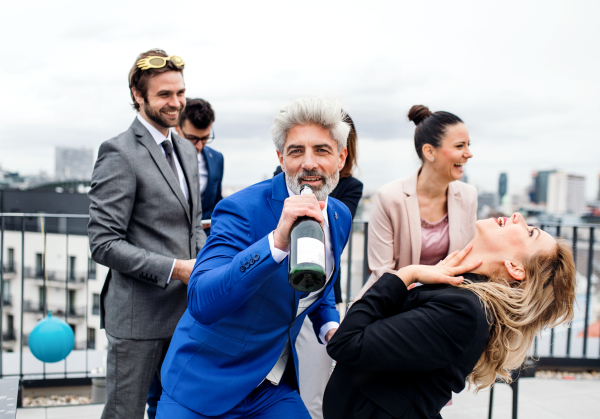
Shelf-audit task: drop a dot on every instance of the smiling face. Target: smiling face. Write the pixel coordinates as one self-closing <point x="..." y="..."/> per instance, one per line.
<point x="510" y="241"/>
<point x="311" y="156"/>
<point x="165" y="100"/>
<point x="452" y="154"/>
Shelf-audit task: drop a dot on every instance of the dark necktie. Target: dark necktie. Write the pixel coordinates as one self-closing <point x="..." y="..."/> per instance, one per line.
<point x="169" y="152"/>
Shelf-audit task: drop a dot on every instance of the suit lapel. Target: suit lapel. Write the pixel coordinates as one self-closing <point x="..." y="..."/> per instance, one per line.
<point x="147" y="141"/>
<point x="187" y="171"/>
<point x="279" y="194"/>
<point x="414" y="218"/>
<point x="334" y="232"/>
<point x="206" y="153"/>
<point x="454" y="217"/>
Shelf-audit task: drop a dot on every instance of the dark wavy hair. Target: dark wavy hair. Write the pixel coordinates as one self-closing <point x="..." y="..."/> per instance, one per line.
<point x="139" y="78"/>
<point x="351" y="146"/>
<point x="198" y="112"/>
<point x="431" y="127"/>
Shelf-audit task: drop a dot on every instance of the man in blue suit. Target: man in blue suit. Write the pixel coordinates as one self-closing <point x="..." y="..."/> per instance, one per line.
<point x="196" y="124"/>
<point x="232" y="354"/>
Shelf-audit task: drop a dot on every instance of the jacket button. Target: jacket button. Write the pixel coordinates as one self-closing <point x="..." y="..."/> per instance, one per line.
<point x="252" y="261"/>
<point x="256" y="257"/>
<point x="242" y="268"/>
<point x="247" y="265"/>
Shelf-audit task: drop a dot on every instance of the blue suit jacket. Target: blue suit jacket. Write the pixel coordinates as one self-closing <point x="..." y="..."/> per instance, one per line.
<point x="212" y="194"/>
<point x="241" y="308"/>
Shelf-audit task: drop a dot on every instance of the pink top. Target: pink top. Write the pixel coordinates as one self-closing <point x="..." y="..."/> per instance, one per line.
<point x="435" y="241"/>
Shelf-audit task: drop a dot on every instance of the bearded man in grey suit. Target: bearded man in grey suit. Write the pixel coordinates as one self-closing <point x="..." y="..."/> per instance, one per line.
<point x="145" y="225"/>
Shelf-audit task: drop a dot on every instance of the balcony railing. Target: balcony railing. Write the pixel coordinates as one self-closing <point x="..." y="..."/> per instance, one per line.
<point x="560" y="349"/>
<point x="8" y="269"/>
<point x="56" y="275"/>
<point x="26" y="367"/>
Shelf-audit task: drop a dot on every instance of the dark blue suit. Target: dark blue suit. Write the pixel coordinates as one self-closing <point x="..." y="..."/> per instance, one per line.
<point x="241" y="308"/>
<point x="212" y="194"/>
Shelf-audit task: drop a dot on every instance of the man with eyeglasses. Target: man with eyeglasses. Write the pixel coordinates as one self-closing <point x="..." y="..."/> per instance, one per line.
<point x="196" y="124"/>
<point x="145" y="225"/>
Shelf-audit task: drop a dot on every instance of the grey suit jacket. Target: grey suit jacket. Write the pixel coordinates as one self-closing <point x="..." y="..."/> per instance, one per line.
<point x="139" y="223"/>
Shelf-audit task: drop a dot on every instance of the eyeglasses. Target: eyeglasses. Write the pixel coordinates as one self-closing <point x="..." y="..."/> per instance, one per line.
<point x="206" y="140"/>
<point x="155" y="61"/>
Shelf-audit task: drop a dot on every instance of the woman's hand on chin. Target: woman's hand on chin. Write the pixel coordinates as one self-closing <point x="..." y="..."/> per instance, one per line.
<point x="446" y="271"/>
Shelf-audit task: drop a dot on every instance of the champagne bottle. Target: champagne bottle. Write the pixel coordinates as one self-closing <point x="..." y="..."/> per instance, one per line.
<point x="307" y="252"/>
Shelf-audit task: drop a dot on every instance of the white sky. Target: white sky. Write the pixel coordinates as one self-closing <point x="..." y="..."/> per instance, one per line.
<point x="524" y="76"/>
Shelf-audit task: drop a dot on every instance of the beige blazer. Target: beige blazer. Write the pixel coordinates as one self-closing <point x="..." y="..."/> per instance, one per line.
<point x="395" y="225"/>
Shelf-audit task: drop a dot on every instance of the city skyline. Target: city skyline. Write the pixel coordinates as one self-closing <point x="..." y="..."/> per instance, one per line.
<point x="525" y="85"/>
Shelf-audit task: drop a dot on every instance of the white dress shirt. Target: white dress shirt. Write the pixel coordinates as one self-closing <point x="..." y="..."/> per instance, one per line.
<point x="159" y="138"/>
<point x="203" y="170"/>
<point x="279" y="255"/>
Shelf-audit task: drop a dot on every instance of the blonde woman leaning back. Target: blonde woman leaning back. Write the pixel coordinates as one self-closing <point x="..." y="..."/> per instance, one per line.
<point x="402" y="353"/>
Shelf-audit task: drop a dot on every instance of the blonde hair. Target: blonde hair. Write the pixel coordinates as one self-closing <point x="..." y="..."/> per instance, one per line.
<point x="519" y="310"/>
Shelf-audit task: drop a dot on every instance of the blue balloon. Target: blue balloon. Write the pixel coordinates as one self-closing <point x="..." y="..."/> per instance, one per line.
<point x="51" y="340"/>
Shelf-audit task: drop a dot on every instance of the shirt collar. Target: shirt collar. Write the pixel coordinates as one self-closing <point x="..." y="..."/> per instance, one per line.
<point x="156" y="134"/>
<point x="291" y="193"/>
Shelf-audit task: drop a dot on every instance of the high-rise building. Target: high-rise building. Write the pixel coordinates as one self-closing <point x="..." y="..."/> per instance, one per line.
<point x="502" y="185"/>
<point x="540" y="183"/>
<point x="566" y="194"/>
<point x="73" y="163"/>
<point x="487" y="202"/>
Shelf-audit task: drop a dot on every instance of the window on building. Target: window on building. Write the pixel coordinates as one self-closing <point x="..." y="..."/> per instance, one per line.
<point x="41" y="299"/>
<point x="10" y="262"/>
<point x="39" y="265"/>
<point x="91" y="338"/>
<point x="6" y="300"/>
<point x="72" y="263"/>
<point x="91" y="269"/>
<point x="96" y="304"/>
<point x="72" y="302"/>
<point x="10" y="328"/>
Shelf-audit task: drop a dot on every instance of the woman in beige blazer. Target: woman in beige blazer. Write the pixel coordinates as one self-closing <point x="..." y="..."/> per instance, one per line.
<point x="427" y="197"/>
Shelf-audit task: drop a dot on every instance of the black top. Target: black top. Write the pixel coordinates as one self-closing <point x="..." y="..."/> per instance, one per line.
<point x="348" y="190"/>
<point x="402" y="353"/>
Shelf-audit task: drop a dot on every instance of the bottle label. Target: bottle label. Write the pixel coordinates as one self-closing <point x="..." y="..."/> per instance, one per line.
<point x="310" y="250"/>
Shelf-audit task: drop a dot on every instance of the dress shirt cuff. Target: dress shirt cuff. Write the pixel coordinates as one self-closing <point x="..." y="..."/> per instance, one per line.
<point x="278" y="255"/>
<point x="171" y="273"/>
<point x="326" y="328"/>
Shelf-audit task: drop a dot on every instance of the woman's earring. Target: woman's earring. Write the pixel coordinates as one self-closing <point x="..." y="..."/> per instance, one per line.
<point x="431" y="158"/>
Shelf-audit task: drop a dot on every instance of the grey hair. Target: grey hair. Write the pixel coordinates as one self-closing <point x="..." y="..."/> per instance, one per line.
<point x="325" y="113"/>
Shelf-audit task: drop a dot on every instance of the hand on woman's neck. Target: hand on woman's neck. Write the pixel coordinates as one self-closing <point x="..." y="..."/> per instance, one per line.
<point x="430" y="183"/>
<point x="487" y="266"/>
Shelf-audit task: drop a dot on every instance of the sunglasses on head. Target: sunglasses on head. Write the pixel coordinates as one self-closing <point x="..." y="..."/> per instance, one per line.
<point x="155" y="61"/>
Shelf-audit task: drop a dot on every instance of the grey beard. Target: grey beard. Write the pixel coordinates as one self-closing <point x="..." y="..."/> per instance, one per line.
<point x="293" y="182"/>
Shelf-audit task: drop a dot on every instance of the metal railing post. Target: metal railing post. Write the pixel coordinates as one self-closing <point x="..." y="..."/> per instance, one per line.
<point x="22" y="294"/>
<point x="365" y="253"/>
<point x="67" y="281"/>
<point x="570" y="329"/>
<point x="349" y="277"/>
<point x="589" y="288"/>
<point x="1" y="288"/>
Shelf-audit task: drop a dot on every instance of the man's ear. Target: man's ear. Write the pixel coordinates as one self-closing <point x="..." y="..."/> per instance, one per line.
<point x="343" y="156"/>
<point x="280" y="157"/>
<point x="137" y="96"/>
<point x="515" y="270"/>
